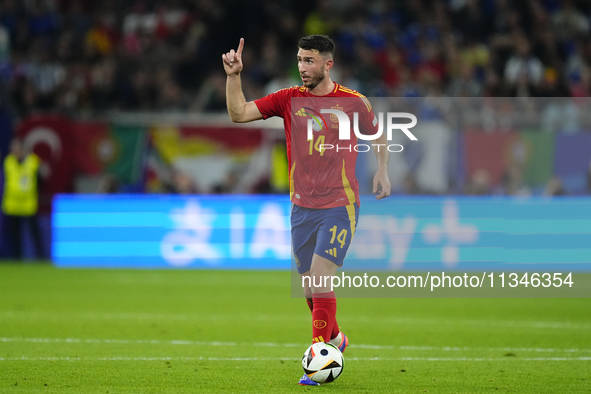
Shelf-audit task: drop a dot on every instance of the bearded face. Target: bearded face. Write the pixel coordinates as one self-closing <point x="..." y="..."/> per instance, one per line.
<point x="312" y="68"/>
<point x="314" y="80"/>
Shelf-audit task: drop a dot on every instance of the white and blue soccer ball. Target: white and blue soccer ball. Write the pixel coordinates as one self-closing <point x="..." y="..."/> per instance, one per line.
<point x="323" y="362"/>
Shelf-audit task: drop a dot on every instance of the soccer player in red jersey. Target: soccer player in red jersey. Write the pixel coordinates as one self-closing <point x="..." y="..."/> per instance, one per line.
<point x="323" y="187"/>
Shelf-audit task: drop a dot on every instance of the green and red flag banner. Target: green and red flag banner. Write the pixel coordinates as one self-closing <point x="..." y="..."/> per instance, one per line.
<point x="534" y="150"/>
<point x="116" y="150"/>
<point x="530" y="150"/>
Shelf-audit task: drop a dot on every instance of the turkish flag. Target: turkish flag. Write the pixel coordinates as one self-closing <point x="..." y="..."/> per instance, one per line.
<point x="49" y="137"/>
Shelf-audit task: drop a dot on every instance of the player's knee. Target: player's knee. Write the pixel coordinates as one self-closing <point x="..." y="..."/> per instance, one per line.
<point x="322" y="266"/>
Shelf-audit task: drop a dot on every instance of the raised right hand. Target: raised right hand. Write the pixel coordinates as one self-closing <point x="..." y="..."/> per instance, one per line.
<point x="233" y="60"/>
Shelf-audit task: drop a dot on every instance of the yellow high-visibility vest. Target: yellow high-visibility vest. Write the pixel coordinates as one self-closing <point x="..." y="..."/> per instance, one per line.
<point x="279" y="170"/>
<point x="20" y="185"/>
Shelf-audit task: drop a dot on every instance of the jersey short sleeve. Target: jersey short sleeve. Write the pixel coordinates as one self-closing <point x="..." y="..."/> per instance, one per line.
<point x="368" y="122"/>
<point x="274" y="104"/>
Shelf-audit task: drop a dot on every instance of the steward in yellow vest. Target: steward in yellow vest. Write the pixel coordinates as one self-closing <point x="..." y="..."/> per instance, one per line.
<point x="20" y="199"/>
<point x="20" y="185"/>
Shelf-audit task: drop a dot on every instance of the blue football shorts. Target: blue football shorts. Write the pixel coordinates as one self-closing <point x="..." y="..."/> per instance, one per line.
<point x="326" y="232"/>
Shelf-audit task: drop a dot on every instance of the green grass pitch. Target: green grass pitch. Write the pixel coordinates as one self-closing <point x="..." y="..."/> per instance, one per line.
<point x="199" y="331"/>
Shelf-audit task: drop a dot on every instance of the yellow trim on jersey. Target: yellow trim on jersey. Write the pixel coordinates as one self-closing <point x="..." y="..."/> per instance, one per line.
<point x="350" y="91"/>
<point x="291" y="182"/>
<point x="281" y="90"/>
<point x="347" y="186"/>
<point x="366" y="102"/>
<point x="351" y="212"/>
<point x="356" y="93"/>
<point x="351" y="197"/>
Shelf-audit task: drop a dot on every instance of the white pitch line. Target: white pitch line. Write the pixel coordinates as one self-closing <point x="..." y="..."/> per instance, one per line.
<point x="122" y="341"/>
<point x="24" y="358"/>
<point x="478" y="322"/>
<point x="263" y="317"/>
<point x="273" y="344"/>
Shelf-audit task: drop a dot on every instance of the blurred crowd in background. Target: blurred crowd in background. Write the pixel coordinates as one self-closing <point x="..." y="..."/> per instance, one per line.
<point x="83" y="56"/>
<point x="86" y="59"/>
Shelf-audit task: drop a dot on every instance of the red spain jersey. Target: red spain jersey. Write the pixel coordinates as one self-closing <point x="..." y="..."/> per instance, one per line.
<point x="321" y="169"/>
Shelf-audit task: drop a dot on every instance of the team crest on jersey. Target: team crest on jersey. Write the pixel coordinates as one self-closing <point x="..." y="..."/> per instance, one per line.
<point x="333" y="117"/>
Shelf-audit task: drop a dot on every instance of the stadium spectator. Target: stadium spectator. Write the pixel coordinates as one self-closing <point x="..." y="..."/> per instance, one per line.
<point x="479" y="184"/>
<point x="472" y="21"/>
<point x="464" y="84"/>
<point x="182" y="183"/>
<point x="570" y="22"/>
<point x="554" y="187"/>
<point x="109" y="184"/>
<point x="212" y="95"/>
<point x="492" y="85"/>
<point x="513" y="184"/>
<point x="523" y="68"/>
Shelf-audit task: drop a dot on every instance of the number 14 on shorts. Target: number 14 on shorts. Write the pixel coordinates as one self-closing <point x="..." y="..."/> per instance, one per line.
<point x="341" y="238"/>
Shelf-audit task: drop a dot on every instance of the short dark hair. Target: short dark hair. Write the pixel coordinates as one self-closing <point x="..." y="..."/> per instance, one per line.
<point x="323" y="44"/>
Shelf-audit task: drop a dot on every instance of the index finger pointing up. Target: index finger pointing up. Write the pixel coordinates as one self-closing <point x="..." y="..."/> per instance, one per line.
<point x="240" y="47"/>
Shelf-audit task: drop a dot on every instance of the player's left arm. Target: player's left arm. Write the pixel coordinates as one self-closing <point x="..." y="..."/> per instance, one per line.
<point x="381" y="181"/>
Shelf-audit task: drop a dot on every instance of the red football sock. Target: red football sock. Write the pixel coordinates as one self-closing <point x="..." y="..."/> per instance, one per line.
<point x="335" y="326"/>
<point x="310" y="304"/>
<point x="323" y="316"/>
